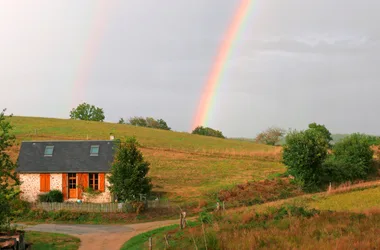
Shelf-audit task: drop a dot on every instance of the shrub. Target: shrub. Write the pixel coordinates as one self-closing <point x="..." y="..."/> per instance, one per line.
<point x="208" y="132"/>
<point x="355" y="149"/>
<point x="323" y="130"/>
<point x="52" y="196"/>
<point x="304" y="154"/>
<point x="205" y="217"/>
<point x="352" y="159"/>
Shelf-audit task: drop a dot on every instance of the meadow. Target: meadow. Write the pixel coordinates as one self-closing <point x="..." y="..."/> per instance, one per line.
<point x="184" y="168"/>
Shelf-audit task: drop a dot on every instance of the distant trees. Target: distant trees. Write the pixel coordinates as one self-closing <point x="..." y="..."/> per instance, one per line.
<point x="8" y="177"/>
<point x="306" y="154"/>
<point x="148" y="122"/>
<point x="87" y="112"/>
<point x="129" y="171"/>
<point x="200" y="130"/>
<point x="271" y="136"/>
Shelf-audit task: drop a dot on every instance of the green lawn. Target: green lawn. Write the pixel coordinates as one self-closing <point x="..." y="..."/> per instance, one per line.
<point x="52" y="241"/>
<point x="359" y="200"/>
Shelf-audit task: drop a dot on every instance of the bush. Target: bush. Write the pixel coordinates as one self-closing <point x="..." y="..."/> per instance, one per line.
<point x="208" y="132"/>
<point x="304" y="154"/>
<point x="351" y="160"/>
<point x="52" y="196"/>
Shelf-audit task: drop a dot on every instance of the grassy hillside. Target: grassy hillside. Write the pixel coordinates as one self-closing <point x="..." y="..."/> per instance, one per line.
<point x="184" y="167"/>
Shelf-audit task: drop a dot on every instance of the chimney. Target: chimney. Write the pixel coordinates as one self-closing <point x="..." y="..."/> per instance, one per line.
<point x="112" y="137"/>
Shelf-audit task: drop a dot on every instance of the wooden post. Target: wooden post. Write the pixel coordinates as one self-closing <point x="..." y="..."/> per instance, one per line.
<point x="224" y="208"/>
<point x="166" y="240"/>
<point x="180" y="221"/>
<point x="217" y="206"/>
<point x="150" y="243"/>
<point x="183" y="219"/>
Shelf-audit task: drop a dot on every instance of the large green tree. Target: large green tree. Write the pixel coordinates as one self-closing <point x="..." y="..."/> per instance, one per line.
<point x="8" y="177"/>
<point x="129" y="171"/>
<point x="87" y="112"/>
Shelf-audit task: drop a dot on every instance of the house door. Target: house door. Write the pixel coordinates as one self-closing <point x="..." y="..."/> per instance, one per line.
<point x="72" y="185"/>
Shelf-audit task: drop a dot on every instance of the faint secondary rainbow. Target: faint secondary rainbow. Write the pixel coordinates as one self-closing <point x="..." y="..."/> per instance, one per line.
<point x="91" y="50"/>
<point x="216" y="73"/>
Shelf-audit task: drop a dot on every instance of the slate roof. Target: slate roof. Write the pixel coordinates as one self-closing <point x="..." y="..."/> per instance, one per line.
<point x="68" y="156"/>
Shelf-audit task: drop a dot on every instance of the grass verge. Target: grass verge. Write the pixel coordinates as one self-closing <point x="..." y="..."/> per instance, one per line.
<point x="52" y="241"/>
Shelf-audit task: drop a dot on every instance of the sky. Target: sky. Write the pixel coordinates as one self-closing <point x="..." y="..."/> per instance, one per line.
<point x="295" y="61"/>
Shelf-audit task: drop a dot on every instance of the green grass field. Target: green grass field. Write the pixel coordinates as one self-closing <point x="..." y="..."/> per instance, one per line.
<point x="357" y="201"/>
<point x="52" y="241"/>
<point x="184" y="167"/>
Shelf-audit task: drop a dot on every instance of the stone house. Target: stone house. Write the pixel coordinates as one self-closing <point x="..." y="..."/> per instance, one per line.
<point x="74" y="167"/>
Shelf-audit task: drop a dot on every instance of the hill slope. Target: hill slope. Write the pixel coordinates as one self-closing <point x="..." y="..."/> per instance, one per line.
<point x="183" y="166"/>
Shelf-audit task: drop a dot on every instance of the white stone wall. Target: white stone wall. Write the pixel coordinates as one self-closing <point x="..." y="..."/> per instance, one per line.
<point x="30" y="186"/>
<point x="103" y="197"/>
<point x="56" y="182"/>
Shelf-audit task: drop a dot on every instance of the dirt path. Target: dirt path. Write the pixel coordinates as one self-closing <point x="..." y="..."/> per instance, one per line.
<point x="100" y="237"/>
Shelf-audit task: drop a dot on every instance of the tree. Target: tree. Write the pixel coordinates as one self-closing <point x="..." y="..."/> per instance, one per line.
<point x="149" y="122"/>
<point x="8" y="177"/>
<point x="128" y="173"/>
<point x="163" y="125"/>
<point x="206" y="131"/>
<point x="304" y="153"/>
<point x="271" y="136"/>
<point x="121" y="121"/>
<point x="137" y="121"/>
<point x="323" y="130"/>
<point x="87" y="112"/>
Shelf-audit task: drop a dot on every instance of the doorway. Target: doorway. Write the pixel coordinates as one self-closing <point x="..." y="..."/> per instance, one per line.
<point x="72" y="185"/>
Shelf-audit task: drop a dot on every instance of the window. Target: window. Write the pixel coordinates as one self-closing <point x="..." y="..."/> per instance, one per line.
<point x="94" y="181"/>
<point x="72" y="181"/>
<point x="49" y="150"/>
<point x="94" y="151"/>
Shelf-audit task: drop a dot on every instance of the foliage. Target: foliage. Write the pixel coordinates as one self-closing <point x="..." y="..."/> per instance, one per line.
<point x="8" y="177"/>
<point x="51" y="196"/>
<point x="90" y="192"/>
<point x="351" y="159"/>
<point x="128" y="173"/>
<point x="271" y="136"/>
<point x="323" y="130"/>
<point x="200" y="130"/>
<point x="87" y="112"/>
<point x="148" y="122"/>
<point x="304" y="154"/>
<point x="206" y="217"/>
<point x="52" y="241"/>
<point x="121" y="121"/>
<point x="374" y="140"/>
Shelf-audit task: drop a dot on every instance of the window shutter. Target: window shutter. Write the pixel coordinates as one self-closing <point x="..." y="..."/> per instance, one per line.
<point x="101" y="182"/>
<point x="44" y="182"/>
<point x="64" y="186"/>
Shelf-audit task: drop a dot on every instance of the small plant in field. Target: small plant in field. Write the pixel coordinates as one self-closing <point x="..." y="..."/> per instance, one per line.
<point x="205" y="217"/>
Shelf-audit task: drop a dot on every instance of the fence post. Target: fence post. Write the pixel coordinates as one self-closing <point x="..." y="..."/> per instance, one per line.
<point x="180" y="221"/>
<point x="150" y="243"/>
<point x="224" y="208"/>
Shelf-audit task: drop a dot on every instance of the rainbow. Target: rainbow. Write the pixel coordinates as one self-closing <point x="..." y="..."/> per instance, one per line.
<point x="215" y="77"/>
<point x="92" y="45"/>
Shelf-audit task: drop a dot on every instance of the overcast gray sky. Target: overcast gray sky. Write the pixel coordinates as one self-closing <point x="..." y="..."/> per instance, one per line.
<point x="296" y="62"/>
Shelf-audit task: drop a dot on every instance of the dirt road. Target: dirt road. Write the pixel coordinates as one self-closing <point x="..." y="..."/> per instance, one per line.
<point x="100" y="237"/>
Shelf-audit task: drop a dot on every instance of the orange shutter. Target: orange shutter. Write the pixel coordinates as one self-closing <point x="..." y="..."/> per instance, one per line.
<point x="44" y="182"/>
<point x="83" y="182"/>
<point x="101" y="182"/>
<point x="64" y="186"/>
